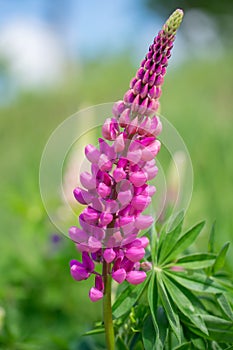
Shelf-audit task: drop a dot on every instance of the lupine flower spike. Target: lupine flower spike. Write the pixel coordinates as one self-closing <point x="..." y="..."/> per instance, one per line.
<point x="116" y="192"/>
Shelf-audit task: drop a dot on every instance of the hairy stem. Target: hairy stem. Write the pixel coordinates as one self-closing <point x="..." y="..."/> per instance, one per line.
<point x="107" y="308"/>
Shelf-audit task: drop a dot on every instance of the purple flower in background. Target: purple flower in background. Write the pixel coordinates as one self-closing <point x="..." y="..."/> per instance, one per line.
<point x="116" y="192"/>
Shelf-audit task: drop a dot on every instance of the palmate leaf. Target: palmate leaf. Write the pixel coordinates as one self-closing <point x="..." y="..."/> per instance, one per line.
<point x="196" y="261"/>
<point x="182" y="243"/>
<point x="184" y="304"/>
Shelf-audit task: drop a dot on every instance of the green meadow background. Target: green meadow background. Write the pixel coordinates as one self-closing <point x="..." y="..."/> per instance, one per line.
<point x="44" y="308"/>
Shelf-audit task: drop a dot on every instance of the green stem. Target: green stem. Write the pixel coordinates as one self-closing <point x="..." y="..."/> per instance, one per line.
<point x="107" y="308"/>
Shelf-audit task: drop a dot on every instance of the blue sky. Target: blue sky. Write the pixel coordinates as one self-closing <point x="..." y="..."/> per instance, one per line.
<point x="40" y="35"/>
<point x="90" y="27"/>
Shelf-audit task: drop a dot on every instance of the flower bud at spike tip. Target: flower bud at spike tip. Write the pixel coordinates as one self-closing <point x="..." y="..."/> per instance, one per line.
<point x="173" y="22"/>
<point x="116" y="190"/>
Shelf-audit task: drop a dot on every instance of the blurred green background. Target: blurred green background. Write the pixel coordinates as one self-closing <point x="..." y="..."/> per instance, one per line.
<point x="41" y="307"/>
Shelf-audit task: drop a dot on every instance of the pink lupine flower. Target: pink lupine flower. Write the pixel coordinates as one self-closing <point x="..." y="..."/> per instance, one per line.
<point x="116" y="191"/>
<point x="110" y="129"/>
<point x="95" y="294"/>
<point x="136" y="277"/>
<point x="119" y="275"/>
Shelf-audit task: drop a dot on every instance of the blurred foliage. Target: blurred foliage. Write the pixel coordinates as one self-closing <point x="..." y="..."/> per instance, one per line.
<point x="220" y="11"/>
<point x="214" y="7"/>
<point x="43" y="306"/>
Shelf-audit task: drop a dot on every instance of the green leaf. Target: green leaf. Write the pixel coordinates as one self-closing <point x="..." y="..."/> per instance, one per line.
<point x="95" y="331"/>
<point x="120" y="344"/>
<point x="211" y="239"/>
<point x="152" y="295"/>
<point x="128" y="298"/>
<point x="148" y="333"/>
<point x="170" y="312"/>
<point x="136" y="342"/>
<point x="224" y="305"/>
<point x="168" y="241"/>
<point x="220" y="260"/>
<point x="219" y="329"/>
<point x="184" y="346"/>
<point x="184" y="304"/>
<point x="197" y="282"/>
<point x="196" y="261"/>
<point x="153" y="243"/>
<point x="169" y="226"/>
<point x="175" y="221"/>
<point x="196" y="302"/>
<point x="184" y="242"/>
<point x="163" y="323"/>
<point x="216" y="346"/>
<point x="226" y="283"/>
<point x="199" y="343"/>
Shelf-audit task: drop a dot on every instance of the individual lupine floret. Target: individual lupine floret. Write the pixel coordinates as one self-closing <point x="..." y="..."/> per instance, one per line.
<point x="96" y="293"/>
<point x="116" y="191"/>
